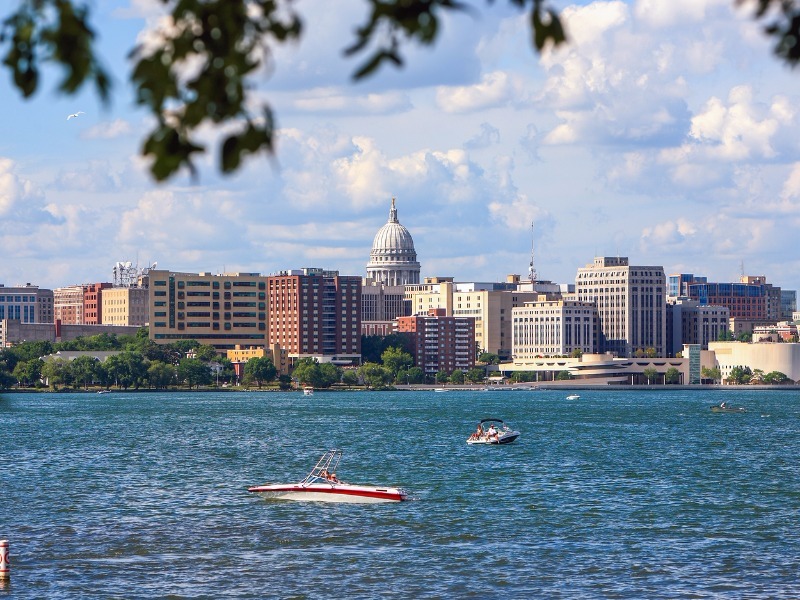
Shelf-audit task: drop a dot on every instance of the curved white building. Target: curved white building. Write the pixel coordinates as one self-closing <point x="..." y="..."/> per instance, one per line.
<point x="393" y="260"/>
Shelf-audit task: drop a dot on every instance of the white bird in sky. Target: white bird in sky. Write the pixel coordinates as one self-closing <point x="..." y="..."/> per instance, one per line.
<point x="80" y="112"/>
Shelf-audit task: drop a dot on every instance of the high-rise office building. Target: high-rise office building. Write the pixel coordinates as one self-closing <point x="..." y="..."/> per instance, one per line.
<point x="631" y="304"/>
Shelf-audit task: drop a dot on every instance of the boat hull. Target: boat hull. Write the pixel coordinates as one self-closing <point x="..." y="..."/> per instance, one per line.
<point x="503" y="439"/>
<point x="723" y="409"/>
<point x="354" y="494"/>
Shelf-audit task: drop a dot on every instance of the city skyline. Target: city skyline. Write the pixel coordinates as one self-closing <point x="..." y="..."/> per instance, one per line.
<point x="663" y="131"/>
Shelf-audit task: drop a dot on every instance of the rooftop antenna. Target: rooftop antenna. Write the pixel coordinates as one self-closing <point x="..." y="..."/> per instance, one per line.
<point x="741" y="268"/>
<point x="531" y="269"/>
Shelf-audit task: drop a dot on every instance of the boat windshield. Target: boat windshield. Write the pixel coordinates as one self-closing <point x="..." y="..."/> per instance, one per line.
<point x="325" y="469"/>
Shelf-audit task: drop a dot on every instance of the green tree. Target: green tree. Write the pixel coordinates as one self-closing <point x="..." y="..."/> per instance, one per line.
<point x="206" y="353"/>
<point x="396" y="360"/>
<point x="160" y="375"/>
<point x="309" y="372"/>
<point x="672" y="376"/>
<point x="28" y="372"/>
<point x="194" y="372"/>
<point x="745" y="337"/>
<point x="7" y="380"/>
<point x="650" y="352"/>
<point x="489" y="358"/>
<point x="442" y="377"/>
<point x="576" y="353"/>
<point x="476" y="374"/>
<point x="415" y="375"/>
<point x="457" y="377"/>
<point x="125" y="369"/>
<point x="775" y="377"/>
<point x="740" y="375"/>
<point x="285" y="382"/>
<point x="259" y="368"/>
<point x="56" y="372"/>
<point x="373" y="346"/>
<point x="375" y="376"/>
<point x="712" y="373"/>
<point x="650" y="374"/>
<point x="84" y="369"/>
<point x="350" y="377"/>
<point x="564" y="376"/>
<point x="725" y="335"/>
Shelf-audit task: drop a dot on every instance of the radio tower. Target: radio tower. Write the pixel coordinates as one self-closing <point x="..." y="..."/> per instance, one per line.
<point x="531" y="269"/>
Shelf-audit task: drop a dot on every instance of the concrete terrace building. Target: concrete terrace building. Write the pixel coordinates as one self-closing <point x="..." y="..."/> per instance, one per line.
<point x="440" y="342"/>
<point x="393" y="260"/>
<point x="316" y="313"/>
<point x="553" y="327"/>
<point x="630" y="301"/>
<point x="223" y="310"/>
<point x="26" y="303"/>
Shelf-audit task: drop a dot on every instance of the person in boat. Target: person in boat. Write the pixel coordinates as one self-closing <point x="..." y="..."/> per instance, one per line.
<point x="723" y="405"/>
<point x="478" y="433"/>
<point x="492" y="432"/>
<point x="324" y="474"/>
<point x="332" y="478"/>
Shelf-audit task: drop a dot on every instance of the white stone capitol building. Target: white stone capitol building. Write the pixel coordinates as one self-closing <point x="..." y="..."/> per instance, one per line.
<point x="393" y="260"/>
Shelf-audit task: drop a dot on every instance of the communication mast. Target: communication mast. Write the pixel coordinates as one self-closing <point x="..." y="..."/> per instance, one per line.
<point x="126" y="274"/>
<point x="532" y="275"/>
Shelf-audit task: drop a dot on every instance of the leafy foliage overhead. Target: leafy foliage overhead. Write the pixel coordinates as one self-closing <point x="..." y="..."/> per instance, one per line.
<point x="231" y="41"/>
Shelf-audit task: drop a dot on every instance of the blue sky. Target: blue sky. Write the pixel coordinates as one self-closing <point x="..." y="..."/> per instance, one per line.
<point x="664" y="131"/>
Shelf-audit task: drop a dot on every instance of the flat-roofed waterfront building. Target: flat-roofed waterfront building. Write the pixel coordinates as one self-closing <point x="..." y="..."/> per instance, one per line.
<point x="26" y="303"/>
<point x="68" y="304"/>
<point x="93" y="303"/>
<point x="553" y="327"/>
<point x="221" y="310"/>
<point x="488" y="303"/>
<point x="631" y="304"/>
<point x="316" y="313"/>
<point x="689" y="323"/>
<point x="381" y="304"/>
<point x="125" y="306"/>
<point x="440" y="342"/>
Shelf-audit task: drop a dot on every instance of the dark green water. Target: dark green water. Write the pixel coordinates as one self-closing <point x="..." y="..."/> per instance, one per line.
<point x="617" y="495"/>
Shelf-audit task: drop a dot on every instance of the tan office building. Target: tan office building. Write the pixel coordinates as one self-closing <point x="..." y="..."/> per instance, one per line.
<point x="222" y="310"/>
<point x="553" y="327"/>
<point x="490" y="304"/>
<point x="631" y="304"/>
<point x="125" y="306"/>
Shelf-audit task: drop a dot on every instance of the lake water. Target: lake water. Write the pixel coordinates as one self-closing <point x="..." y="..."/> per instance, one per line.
<point x="621" y="494"/>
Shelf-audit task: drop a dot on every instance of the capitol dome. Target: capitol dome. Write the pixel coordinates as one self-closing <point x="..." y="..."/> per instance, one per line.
<point x="393" y="260"/>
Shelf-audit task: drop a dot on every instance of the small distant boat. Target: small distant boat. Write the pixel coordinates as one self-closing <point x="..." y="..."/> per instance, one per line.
<point x="308" y="391"/>
<point x="493" y="431"/>
<point x="573" y="397"/>
<point x="322" y="485"/>
<point x="724" y="407"/>
<point x="441" y="390"/>
<point x="103" y="391"/>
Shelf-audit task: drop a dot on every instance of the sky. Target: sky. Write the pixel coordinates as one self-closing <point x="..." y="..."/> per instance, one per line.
<point x="664" y="130"/>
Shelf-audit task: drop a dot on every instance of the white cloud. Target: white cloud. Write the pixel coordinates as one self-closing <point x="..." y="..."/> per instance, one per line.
<point x="659" y="14"/>
<point x="495" y="90"/>
<point x="107" y="131"/>
<point x="738" y="131"/>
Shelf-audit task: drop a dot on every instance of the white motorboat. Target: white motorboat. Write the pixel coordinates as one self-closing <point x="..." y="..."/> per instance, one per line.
<point x="308" y="391"/>
<point x="573" y="397"/>
<point x="493" y="431"/>
<point x="322" y="485"/>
